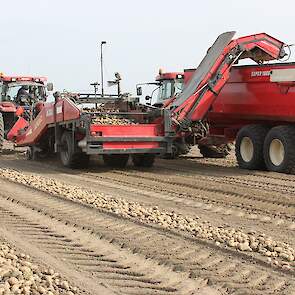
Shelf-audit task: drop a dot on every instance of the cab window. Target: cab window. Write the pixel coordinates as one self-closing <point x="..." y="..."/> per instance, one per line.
<point x="165" y="90"/>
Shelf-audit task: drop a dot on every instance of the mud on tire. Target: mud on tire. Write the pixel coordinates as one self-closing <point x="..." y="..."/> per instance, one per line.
<point x="70" y="155"/>
<point x="279" y="149"/>
<point x="210" y="151"/>
<point x="249" y="147"/>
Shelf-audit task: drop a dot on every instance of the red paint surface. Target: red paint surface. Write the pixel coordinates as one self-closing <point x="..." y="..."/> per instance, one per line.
<point x="139" y="130"/>
<point x="7" y="107"/>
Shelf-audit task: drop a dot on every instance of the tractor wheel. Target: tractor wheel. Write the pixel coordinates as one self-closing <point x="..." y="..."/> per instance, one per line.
<point x="30" y="153"/>
<point x="279" y="152"/>
<point x="34" y="153"/>
<point x="143" y="160"/>
<point x="211" y="151"/>
<point x="249" y="147"/>
<point x="2" y="133"/>
<point x="116" y="160"/>
<point x="70" y="155"/>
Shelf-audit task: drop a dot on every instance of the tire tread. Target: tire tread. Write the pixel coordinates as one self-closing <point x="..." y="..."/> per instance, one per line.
<point x="257" y="133"/>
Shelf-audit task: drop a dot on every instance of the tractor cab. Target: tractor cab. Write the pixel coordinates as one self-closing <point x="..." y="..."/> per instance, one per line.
<point x="171" y="84"/>
<point x="35" y="87"/>
<point x="20" y="95"/>
<point x="168" y="85"/>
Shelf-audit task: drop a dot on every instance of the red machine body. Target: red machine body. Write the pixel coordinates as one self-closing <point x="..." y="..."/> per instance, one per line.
<point x="23" y="79"/>
<point x="74" y="135"/>
<point x="7" y="107"/>
<point x="169" y="76"/>
<point x="214" y="71"/>
<point x="67" y="111"/>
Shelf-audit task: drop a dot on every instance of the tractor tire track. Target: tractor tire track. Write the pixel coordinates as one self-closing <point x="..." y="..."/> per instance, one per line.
<point x="189" y="202"/>
<point x="200" y="261"/>
<point x="94" y="257"/>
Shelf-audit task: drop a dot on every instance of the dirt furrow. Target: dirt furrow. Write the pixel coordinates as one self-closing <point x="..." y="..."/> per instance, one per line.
<point x="254" y="179"/>
<point x="188" y="201"/>
<point x="205" y="186"/>
<point x="177" y="253"/>
<point x="95" y="258"/>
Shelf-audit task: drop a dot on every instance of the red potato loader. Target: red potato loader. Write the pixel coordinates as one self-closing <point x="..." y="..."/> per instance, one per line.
<point x="71" y="131"/>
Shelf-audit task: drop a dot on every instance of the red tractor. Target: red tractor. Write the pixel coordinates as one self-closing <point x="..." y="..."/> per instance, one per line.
<point x="13" y="102"/>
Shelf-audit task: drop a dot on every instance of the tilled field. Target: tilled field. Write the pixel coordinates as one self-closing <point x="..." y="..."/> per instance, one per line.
<point x="186" y="226"/>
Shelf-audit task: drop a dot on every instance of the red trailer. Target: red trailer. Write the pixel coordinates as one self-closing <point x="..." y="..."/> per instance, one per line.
<point x="256" y="109"/>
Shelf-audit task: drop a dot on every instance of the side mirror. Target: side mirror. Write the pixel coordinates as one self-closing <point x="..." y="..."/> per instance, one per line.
<point x="49" y="86"/>
<point x="148" y="98"/>
<point x="139" y="91"/>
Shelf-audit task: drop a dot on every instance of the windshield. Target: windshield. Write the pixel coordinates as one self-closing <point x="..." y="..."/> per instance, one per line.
<point x="169" y="88"/>
<point x="10" y="90"/>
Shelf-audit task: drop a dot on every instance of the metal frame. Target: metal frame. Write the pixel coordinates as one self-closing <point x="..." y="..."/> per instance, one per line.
<point x="94" y="144"/>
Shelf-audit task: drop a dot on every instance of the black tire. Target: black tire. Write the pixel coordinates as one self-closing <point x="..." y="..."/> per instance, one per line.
<point x="211" y="151"/>
<point x="2" y="132"/>
<point x="253" y="135"/>
<point x="178" y="148"/>
<point x="36" y="154"/>
<point x="279" y="149"/>
<point x="143" y="160"/>
<point x="29" y="153"/>
<point x="70" y="155"/>
<point x="175" y="153"/>
<point x="116" y="160"/>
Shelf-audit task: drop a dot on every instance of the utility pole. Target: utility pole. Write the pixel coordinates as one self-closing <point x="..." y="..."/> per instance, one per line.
<point x="101" y="67"/>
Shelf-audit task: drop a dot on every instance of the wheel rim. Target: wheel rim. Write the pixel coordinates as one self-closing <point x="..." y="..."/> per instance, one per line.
<point x="247" y="149"/>
<point x="276" y="152"/>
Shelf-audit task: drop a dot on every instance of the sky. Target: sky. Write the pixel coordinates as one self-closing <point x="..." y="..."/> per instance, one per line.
<point x="60" y="39"/>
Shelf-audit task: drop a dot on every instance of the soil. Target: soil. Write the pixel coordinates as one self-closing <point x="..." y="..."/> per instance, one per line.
<point x="185" y="226"/>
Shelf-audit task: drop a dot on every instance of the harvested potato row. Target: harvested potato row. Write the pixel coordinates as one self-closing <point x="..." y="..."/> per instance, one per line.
<point x="19" y="275"/>
<point x="277" y="253"/>
<point x="112" y="120"/>
<point x="108" y="117"/>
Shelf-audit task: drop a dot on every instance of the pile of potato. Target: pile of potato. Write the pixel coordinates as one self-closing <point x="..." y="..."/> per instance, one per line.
<point x="112" y="120"/>
<point x="107" y="116"/>
<point x="277" y="252"/>
<point x="18" y="275"/>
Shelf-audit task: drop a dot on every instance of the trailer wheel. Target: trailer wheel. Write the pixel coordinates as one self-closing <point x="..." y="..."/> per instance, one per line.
<point x="116" y="160"/>
<point x="249" y="147"/>
<point x="1" y="131"/>
<point x="279" y="152"/>
<point x="211" y="151"/>
<point x="143" y="160"/>
<point x="70" y="155"/>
